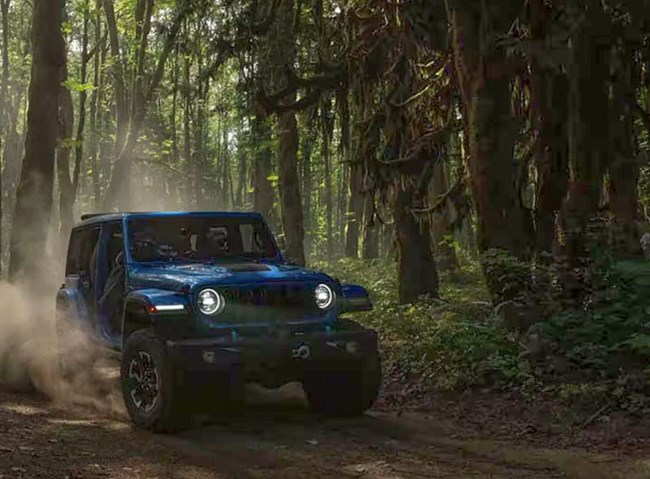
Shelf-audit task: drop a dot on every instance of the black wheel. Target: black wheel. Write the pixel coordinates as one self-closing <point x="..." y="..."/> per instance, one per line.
<point x="149" y="385"/>
<point x="344" y="390"/>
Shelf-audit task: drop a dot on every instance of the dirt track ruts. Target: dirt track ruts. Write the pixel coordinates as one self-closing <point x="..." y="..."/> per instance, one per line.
<point x="273" y="437"/>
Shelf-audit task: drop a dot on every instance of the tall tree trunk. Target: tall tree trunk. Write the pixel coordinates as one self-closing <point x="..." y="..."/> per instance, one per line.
<point x="624" y="170"/>
<point x="370" y="229"/>
<point x="588" y="136"/>
<point x="307" y="185"/>
<point x="119" y="77"/>
<point x="445" y="251"/>
<point x="354" y="212"/>
<point x="34" y="196"/>
<point x="199" y="136"/>
<point x="290" y="198"/>
<point x="283" y="49"/>
<point x="264" y="198"/>
<point x="227" y="178"/>
<point x="83" y="96"/>
<point x="4" y="110"/>
<point x="66" y="125"/>
<point x="173" y="115"/>
<point x="106" y="146"/>
<point x="66" y="193"/>
<point x="342" y="204"/>
<point x="95" y="102"/>
<point x="481" y="67"/>
<point x="187" y="131"/>
<point x="241" y="198"/>
<point x="327" y="128"/>
<point x="549" y="105"/>
<point x="417" y="268"/>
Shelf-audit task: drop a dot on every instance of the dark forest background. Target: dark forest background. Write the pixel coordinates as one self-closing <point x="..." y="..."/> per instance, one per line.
<point x="481" y="166"/>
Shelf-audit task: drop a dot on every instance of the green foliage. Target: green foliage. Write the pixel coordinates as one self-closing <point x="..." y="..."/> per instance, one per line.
<point x="592" y="355"/>
<point x="448" y="344"/>
<point x="76" y="86"/>
<point x="605" y="342"/>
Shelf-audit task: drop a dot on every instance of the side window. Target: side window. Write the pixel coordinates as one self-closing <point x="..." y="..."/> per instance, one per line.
<point x="74" y="253"/>
<point x="81" y="251"/>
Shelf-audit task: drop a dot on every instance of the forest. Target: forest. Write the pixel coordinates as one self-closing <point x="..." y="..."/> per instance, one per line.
<point x="481" y="166"/>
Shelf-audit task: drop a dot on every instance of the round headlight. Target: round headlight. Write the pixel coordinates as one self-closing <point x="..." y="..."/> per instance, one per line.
<point x="210" y="302"/>
<point x="324" y="296"/>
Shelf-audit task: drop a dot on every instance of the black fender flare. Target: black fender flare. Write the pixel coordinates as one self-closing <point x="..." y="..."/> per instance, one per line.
<point x="150" y="309"/>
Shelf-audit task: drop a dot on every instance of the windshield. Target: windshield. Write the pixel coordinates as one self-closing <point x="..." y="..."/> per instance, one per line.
<point x="199" y="238"/>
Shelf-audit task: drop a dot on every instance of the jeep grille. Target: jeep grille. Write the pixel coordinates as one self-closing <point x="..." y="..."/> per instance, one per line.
<point x="272" y="302"/>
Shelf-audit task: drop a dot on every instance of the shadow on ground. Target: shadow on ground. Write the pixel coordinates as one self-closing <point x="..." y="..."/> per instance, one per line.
<point x="274" y="436"/>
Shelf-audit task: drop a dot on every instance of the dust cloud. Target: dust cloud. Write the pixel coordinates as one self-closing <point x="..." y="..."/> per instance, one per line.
<point x="66" y="368"/>
<point x="32" y="353"/>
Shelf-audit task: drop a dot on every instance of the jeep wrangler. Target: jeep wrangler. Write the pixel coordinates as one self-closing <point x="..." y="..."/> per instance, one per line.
<point x="196" y="305"/>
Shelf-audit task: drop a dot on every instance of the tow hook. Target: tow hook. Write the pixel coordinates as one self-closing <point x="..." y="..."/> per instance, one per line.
<point x="302" y="351"/>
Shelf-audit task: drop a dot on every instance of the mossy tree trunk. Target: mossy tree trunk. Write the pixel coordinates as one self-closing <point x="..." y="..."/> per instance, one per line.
<point x="485" y="83"/>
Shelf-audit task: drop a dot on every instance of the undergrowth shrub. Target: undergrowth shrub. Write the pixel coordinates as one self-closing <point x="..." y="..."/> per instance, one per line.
<point x="592" y="354"/>
<point x="601" y="347"/>
<point x="452" y="343"/>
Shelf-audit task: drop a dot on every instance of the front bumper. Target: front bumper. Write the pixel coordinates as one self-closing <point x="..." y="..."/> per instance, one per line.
<point x="274" y="361"/>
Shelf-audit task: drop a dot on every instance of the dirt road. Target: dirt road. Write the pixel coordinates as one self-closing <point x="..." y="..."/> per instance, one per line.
<point x="274" y="438"/>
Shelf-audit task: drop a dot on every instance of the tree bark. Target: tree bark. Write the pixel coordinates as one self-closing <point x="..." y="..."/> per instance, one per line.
<point x="308" y="141"/>
<point x="119" y="78"/>
<point x="4" y="110"/>
<point x="549" y="106"/>
<point x="198" y="162"/>
<point x="481" y="67"/>
<point x="66" y="126"/>
<point x="264" y="197"/>
<point x="354" y="212"/>
<point x="66" y="192"/>
<point x="588" y="136"/>
<point x="83" y="96"/>
<point x="416" y="266"/>
<point x="370" y="230"/>
<point x="34" y="196"/>
<point x="327" y="129"/>
<point x="187" y="131"/>
<point x="290" y="198"/>
<point x="445" y="251"/>
<point x="95" y="102"/>
<point x="624" y="170"/>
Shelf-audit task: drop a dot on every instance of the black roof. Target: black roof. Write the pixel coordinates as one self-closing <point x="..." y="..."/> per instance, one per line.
<point x="98" y="218"/>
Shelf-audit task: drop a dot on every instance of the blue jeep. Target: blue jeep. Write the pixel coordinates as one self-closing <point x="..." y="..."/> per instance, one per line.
<point x="198" y="304"/>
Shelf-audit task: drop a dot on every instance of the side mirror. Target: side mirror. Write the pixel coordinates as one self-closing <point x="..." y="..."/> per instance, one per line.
<point x="354" y="299"/>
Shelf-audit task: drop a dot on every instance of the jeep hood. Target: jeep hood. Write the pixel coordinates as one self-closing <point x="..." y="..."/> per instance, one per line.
<point x="196" y="275"/>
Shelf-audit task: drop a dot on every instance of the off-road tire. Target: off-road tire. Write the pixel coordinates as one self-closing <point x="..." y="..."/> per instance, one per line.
<point x="170" y="412"/>
<point x="344" y="390"/>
